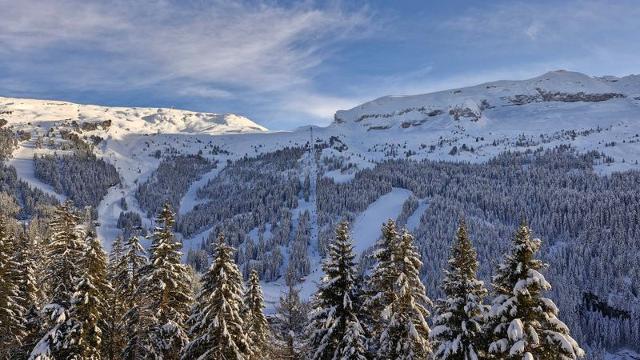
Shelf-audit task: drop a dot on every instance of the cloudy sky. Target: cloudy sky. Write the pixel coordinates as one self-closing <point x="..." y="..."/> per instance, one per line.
<point x="289" y="63"/>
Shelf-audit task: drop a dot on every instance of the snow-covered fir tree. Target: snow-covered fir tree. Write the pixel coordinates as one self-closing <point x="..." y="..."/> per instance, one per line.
<point x="524" y="324"/>
<point x="255" y="322"/>
<point x="65" y="254"/>
<point x="379" y="287"/>
<point x="290" y="319"/>
<point x="458" y="319"/>
<point x="113" y="329"/>
<point x="167" y="289"/>
<point x="29" y="258"/>
<point x="135" y="319"/>
<point x="217" y="330"/>
<point x="405" y="332"/>
<point x="12" y="310"/>
<point x="83" y="333"/>
<point x="335" y="329"/>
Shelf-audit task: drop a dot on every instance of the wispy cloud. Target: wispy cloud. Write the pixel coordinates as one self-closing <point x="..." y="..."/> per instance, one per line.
<point x="207" y="47"/>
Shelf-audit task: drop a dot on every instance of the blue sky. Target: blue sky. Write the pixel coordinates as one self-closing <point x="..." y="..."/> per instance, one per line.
<point x="286" y="63"/>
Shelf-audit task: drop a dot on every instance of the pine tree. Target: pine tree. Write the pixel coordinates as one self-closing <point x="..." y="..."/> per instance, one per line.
<point x="405" y="332"/>
<point x="217" y="330"/>
<point x="114" y="331"/>
<point x="29" y="259"/>
<point x="83" y="334"/>
<point x="379" y="287"/>
<point x="12" y="311"/>
<point x="65" y="253"/>
<point x="135" y="319"/>
<point x="523" y="323"/>
<point x="290" y="319"/>
<point x="167" y="288"/>
<point x="335" y="329"/>
<point x="255" y="323"/>
<point x="458" y="318"/>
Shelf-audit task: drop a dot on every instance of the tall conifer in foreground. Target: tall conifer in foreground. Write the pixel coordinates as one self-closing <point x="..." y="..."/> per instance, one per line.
<point x="129" y="283"/>
<point x="83" y="333"/>
<point x="12" y="311"/>
<point x="405" y="332"/>
<point x="335" y="328"/>
<point x="290" y="319"/>
<point x="113" y="331"/>
<point x="65" y="254"/>
<point x="167" y="288"/>
<point x="255" y="323"/>
<point x="523" y="323"/>
<point x="217" y="330"/>
<point x="379" y="287"/>
<point x="458" y="318"/>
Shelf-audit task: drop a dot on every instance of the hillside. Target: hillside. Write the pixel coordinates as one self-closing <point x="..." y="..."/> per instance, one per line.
<point x="559" y="148"/>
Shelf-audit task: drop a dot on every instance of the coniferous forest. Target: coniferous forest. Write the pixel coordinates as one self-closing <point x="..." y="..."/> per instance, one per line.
<point x="63" y="297"/>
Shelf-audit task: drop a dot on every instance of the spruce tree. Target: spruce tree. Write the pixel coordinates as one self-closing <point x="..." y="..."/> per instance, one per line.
<point x="523" y="323"/>
<point x="335" y="328"/>
<point x="167" y="287"/>
<point x="379" y="287"/>
<point x="12" y="311"/>
<point x="114" y="330"/>
<point x="83" y="332"/>
<point x="135" y="319"/>
<point x="290" y="319"/>
<point x="458" y="319"/>
<point x="217" y="330"/>
<point x="405" y="332"/>
<point x="29" y="258"/>
<point x="65" y="254"/>
<point x="255" y="323"/>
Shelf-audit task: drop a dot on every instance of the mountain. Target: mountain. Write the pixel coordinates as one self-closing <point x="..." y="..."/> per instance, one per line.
<point x="562" y="148"/>
<point x="124" y="121"/>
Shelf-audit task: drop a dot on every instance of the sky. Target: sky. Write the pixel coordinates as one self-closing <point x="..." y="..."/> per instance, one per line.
<point x="286" y="64"/>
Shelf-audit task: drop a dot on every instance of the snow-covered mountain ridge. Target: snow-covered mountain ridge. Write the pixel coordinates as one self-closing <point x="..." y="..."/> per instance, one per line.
<point x="125" y="120"/>
<point x="471" y="102"/>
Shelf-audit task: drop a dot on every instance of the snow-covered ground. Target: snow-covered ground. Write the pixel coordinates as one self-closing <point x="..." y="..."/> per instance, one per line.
<point x="367" y="226"/>
<point x="623" y="355"/>
<point x="22" y="160"/>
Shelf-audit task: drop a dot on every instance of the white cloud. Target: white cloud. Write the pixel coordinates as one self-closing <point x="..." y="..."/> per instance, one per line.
<point x="256" y="46"/>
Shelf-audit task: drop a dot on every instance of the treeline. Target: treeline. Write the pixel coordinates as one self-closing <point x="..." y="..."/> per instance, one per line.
<point x="171" y="181"/>
<point x="84" y="178"/>
<point x="62" y="297"/>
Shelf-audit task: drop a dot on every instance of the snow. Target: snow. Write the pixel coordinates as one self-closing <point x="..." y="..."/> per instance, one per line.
<point x="366" y="228"/>
<point x="190" y="199"/>
<point x="22" y="161"/>
<point x="413" y="222"/>
<point x="622" y="355"/>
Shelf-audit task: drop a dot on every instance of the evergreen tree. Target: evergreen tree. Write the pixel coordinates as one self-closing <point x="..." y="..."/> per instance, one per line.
<point x="458" y="318"/>
<point x="405" y="333"/>
<point x="217" y="330"/>
<point x="255" y="323"/>
<point x="83" y="334"/>
<point x="12" y="311"/>
<point x="29" y="258"/>
<point x="65" y="252"/>
<point x="113" y="329"/>
<point x="335" y="329"/>
<point x="523" y="323"/>
<point x="135" y="319"/>
<point x="167" y="288"/>
<point x="379" y="288"/>
<point x="290" y="319"/>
